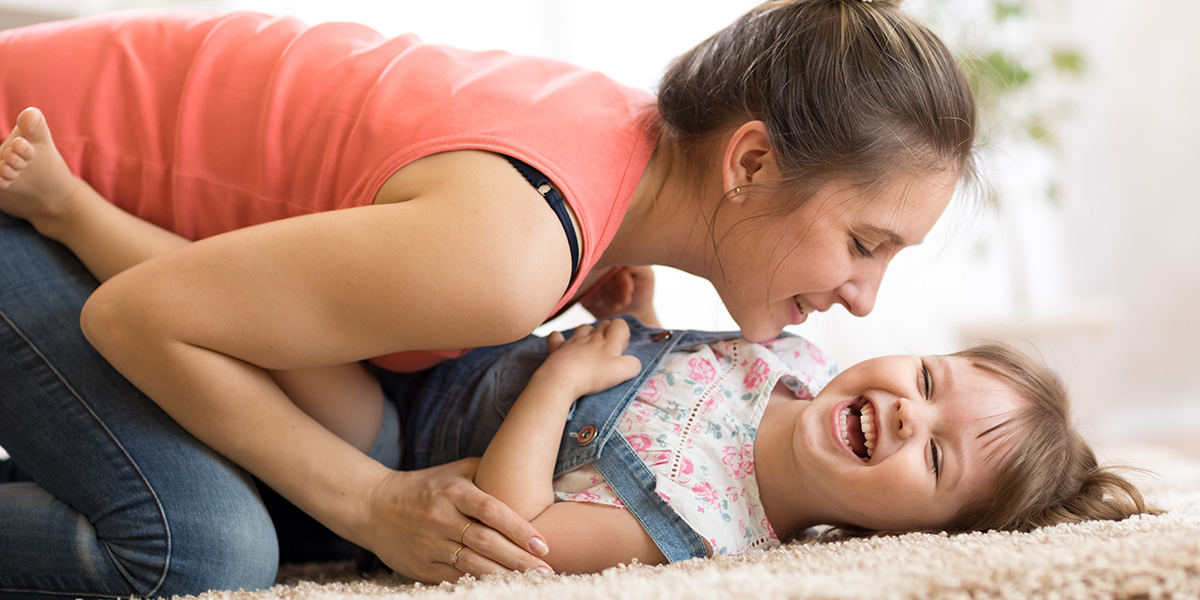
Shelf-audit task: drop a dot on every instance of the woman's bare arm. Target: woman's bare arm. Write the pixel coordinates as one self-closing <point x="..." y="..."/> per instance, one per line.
<point x="474" y="258"/>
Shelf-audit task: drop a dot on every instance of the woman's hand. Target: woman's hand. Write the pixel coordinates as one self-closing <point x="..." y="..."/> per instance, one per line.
<point x="631" y="291"/>
<point x="591" y="360"/>
<point x="418" y="518"/>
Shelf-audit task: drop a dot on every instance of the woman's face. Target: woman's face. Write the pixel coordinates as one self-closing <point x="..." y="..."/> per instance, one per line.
<point x="833" y="250"/>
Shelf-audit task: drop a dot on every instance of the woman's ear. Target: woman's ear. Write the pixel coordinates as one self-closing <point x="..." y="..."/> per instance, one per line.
<point x="748" y="159"/>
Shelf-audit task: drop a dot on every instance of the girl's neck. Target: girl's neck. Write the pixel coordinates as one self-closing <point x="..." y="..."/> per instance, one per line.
<point x="786" y="500"/>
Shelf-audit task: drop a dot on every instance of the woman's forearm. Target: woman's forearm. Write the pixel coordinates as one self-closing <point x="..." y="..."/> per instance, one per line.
<point x="239" y="411"/>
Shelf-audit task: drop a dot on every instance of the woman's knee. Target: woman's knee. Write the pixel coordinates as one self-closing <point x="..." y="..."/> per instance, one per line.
<point x="221" y="545"/>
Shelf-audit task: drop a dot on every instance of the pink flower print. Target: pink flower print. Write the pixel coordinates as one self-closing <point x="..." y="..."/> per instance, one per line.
<point x="711" y="404"/>
<point x="586" y="496"/>
<point x="769" y="344"/>
<point x="653" y="389"/>
<point x="640" y="444"/>
<point x="734" y="494"/>
<point x="758" y="373"/>
<point x="816" y="354"/>
<point x="767" y="527"/>
<point x="705" y="492"/>
<point x="701" y="370"/>
<point x="739" y="462"/>
<point x="685" y="472"/>
<point x="643" y="413"/>
<point x="662" y="457"/>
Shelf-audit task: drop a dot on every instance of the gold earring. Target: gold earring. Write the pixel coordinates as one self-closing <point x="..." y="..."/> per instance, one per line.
<point x="737" y="190"/>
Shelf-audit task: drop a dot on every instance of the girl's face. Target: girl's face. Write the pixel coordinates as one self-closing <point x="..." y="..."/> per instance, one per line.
<point x="832" y="250"/>
<point x="902" y="442"/>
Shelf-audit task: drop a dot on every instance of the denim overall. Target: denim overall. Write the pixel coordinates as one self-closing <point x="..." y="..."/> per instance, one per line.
<point x="460" y="404"/>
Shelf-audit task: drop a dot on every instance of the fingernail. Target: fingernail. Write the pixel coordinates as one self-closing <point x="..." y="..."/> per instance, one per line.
<point x="538" y="546"/>
<point x="544" y="570"/>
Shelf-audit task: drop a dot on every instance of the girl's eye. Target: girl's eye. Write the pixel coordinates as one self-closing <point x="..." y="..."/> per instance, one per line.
<point x="937" y="460"/>
<point x="926" y="380"/>
<point x="861" y="249"/>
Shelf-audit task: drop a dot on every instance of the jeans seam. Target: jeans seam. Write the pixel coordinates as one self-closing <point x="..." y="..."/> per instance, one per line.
<point x="145" y="482"/>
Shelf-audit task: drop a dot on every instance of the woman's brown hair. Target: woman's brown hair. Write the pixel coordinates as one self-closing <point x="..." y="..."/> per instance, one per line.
<point x="848" y="90"/>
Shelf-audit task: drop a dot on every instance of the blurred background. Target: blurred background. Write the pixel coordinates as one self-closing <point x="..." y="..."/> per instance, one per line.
<point x="1083" y="242"/>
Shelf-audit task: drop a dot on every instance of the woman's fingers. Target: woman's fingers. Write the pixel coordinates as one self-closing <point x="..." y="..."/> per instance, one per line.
<point x="494" y="549"/>
<point x="419" y="517"/>
<point x="515" y="543"/>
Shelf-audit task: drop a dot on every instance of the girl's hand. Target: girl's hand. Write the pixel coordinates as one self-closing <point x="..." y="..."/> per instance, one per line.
<point x="629" y="291"/>
<point x="417" y="518"/>
<point x="591" y="360"/>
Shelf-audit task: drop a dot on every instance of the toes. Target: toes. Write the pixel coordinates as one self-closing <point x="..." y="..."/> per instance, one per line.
<point x="15" y="159"/>
<point x="21" y="149"/>
<point x="33" y="125"/>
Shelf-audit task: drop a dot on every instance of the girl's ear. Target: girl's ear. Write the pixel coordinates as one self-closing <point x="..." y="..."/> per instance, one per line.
<point x="748" y="159"/>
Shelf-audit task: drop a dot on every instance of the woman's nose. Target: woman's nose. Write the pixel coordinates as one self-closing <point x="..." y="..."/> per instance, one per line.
<point x="858" y="294"/>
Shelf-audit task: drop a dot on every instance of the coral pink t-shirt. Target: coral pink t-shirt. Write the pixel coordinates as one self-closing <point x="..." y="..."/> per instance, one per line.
<point x="203" y="123"/>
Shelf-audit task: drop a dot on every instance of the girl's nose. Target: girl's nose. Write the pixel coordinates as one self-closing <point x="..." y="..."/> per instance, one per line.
<point x="907" y="418"/>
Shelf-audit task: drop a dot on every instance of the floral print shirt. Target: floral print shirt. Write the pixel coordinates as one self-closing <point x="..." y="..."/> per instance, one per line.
<point x="694" y="424"/>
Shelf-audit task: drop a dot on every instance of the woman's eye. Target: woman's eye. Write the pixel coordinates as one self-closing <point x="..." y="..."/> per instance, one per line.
<point x="937" y="460"/>
<point x="861" y="249"/>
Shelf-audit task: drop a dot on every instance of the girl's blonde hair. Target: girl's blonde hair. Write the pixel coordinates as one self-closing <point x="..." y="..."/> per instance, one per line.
<point x="1051" y="475"/>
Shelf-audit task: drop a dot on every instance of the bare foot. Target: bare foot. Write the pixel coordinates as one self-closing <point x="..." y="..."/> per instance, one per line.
<point x="35" y="182"/>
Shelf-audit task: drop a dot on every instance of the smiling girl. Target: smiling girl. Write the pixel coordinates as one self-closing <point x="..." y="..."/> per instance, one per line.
<point x="710" y="444"/>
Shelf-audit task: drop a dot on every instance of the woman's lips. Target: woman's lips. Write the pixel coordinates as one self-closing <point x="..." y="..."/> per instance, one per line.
<point x="800" y="310"/>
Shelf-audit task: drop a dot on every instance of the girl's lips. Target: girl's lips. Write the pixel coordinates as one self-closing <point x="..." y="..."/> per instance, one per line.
<point x="836" y="428"/>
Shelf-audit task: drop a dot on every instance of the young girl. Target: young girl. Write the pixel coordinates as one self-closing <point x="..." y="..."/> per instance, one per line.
<point x="624" y="442"/>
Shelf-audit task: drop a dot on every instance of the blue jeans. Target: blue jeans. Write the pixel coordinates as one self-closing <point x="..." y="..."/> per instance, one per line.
<point x="124" y="501"/>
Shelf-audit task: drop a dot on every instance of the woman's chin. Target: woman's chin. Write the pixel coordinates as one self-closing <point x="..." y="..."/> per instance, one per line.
<point x="762" y="332"/>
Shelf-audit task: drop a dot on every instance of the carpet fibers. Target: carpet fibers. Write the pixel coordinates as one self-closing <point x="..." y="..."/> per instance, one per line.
<point x="1144" y="557"/>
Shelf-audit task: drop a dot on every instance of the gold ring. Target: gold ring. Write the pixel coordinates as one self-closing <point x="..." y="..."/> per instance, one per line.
<point x="464" y="532"/>
<point x="454" y="557"/>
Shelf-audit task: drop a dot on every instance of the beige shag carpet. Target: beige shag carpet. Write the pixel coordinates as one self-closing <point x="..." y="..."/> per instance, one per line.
<point x="1145" y="557"/>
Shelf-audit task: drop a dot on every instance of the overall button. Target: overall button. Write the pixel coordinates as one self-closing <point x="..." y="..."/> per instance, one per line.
<point x="661" y="336"/>
<point x="586" y="435"/>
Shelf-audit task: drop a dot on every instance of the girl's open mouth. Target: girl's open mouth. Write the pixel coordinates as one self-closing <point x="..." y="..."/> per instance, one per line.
<point x="856" y="423"/>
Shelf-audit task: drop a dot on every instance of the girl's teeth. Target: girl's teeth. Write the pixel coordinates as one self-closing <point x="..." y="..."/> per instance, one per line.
<point x="867" y="419"/>
<point x="842" y="425"/>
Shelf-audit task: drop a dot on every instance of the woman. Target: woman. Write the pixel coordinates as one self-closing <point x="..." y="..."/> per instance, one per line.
<point x="787" y="159"/>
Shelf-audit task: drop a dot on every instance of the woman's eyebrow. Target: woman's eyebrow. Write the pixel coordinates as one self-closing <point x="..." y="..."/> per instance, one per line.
<point x="891" y="237"/>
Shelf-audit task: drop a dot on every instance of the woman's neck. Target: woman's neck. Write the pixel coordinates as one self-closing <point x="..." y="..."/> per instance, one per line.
<point x="666" y="222"/>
